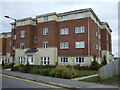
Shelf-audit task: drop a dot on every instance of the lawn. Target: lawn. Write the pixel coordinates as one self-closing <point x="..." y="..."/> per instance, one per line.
<point x="82" y="73"/>
<point x="112" y="81"/>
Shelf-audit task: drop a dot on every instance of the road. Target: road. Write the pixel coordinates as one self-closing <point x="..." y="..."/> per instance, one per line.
<point x="14" y="82"/>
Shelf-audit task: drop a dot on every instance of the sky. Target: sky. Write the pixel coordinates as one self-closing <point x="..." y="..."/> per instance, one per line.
<point x="106" y="10"/>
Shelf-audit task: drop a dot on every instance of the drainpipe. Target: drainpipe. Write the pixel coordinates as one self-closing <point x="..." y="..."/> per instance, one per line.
<point x="88" y="34"/>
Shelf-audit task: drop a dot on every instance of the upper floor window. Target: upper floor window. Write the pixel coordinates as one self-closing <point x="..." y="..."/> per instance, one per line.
<point x="97" y="47"/>
<point x="79" y="59"/>
<point x="64" y="31"/>
<point x="97" y="34"/>
<point x="64" y="45"/>
<point x="64" y="59"/>
<point x="45" y="44"/>
<point x="22" y="46"/>
<point x="22" y="34"/>
<point x="80" y="29"/>
<point x="23" y="22"/>
<point x="107" y="37"/>
<point x="35" y="40"/>
<point x="80" y="15"/>
<point x="46" y="18"/>
<point x="45" y="31"/>
<point x="65" y="17"/>
<point x="14" y="37"/>
<point x="80" y="44"/>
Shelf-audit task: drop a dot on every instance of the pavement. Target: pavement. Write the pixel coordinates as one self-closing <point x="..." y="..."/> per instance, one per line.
<point x="81" y="78"/>
<point x="66" y="83"/>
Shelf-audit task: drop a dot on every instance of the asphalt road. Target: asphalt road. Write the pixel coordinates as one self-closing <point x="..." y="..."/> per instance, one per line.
<point x="14" y="82"/>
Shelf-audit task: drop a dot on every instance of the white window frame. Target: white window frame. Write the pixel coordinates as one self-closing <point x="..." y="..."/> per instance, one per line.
<point x="22" y="34"/>
<point x="23" y="22"/>
<point x="97" y="46"/>
<point x="35" y="40"/>
<point x="22" y="60"/>
<point x="64" y="45"/>
<point x="45" y="44"/>
<point x="28" y="59"/>
<point x="80" y="44"/>
<point x="80" y="29"/>
<point x="22" y="46"/>
<point x="79" y="60"/>
<point x="45" y="18"/>
<point x="45" y="31"/>
<point x="64" y="31"/>
<point x="64" y="60"/>
<point x="64" y="17"/>
<point x="97" y="34"/>
<point x="14" y="37"/>
<point x="45" y="60"/>
<point x="79" y="15"/>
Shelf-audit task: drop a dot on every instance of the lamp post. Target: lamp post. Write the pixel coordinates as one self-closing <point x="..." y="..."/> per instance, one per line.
<point x="13" y="38"/>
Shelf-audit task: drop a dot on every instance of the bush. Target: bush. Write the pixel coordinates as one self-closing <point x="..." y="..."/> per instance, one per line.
<point x="25" y="68"/>
<point x="77" y="67"/>
<point x="45" y="72"/>
<point x="95" y="65"/>
<point x="16" y="67"/>
<point x="8" y="65"/>
<point x="104" y="61"/>
<point x="63" y="72"/>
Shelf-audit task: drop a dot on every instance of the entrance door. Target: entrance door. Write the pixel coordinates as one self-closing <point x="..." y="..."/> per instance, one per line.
<point x="30" y="59"/>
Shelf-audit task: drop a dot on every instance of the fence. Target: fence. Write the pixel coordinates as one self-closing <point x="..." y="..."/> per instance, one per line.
<point x="110" y="70"/>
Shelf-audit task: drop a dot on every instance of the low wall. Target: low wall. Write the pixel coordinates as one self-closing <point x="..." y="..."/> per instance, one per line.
<point x="110" y="70"/>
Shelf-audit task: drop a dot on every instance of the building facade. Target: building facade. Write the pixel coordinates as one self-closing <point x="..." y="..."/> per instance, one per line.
<point x="68" y="38"/>
<point x="5" y="47"/>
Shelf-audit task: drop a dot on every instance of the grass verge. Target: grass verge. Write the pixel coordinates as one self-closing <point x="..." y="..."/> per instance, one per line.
<point x="111" y="81"/>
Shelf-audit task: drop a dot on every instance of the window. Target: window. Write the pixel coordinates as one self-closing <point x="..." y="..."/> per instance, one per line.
<point x="23" y="22"/>
<point x="64" y="31"/>
<point x="45" y="44"/>
<point x="22" y="60"/>
<point x="35" y="40"/>
<point x="63" y="18"/>
<point x="22" y="46"/>
<point x="97" y="34"/>
<point x="14" y="37"/>
<point x="46" y="18"/>
<point x="64" y="45"/>
<point x="80" y="44"/>
<point x="80" y="29"/>
<point x="45" y="31"/>
<point x="45" y="60"/>
<point x="97" y="47"/>
<point x="79" y="59"/>
<point x="30" y="59"/>
<point x="80" y="15"/>
<point x="22" y="34"/>
<point x="107" y="37"/>
<point x="64" y="59"/>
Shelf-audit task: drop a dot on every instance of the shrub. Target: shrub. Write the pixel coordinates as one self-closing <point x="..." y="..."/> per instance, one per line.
<point x="25" y="68"/>
<point x="16" y="67"/>
<point x="77" y="67"/>
<point x="95" y="65"/>
<point x="45" y="72"/>
<point x="63" y="72"/>
<point x="8" y="65"/>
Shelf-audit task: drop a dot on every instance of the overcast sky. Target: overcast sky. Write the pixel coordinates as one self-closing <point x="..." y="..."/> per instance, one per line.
<point x="106" y="10"/>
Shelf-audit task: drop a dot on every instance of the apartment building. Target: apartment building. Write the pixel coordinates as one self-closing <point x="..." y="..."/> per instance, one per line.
<point x="68" y="38"/>
<point x="5" y="47"/>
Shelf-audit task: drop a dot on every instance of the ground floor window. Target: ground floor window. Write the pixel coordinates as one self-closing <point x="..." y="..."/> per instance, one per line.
<point x="30" y="59"/>
<point x="22" y="60"/>
<point x="79" y="59"/>
<point x="45" y="60"/>
<point x="64" y="59"/>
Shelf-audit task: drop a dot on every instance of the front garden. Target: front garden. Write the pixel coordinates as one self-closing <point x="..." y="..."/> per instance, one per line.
<point x="58" y="71"/>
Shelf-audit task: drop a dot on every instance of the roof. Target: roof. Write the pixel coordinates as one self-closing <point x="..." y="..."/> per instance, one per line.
<point x="32" y="50"/>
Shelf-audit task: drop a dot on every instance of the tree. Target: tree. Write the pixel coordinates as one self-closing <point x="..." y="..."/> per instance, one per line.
<point x="104" y="61"/>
